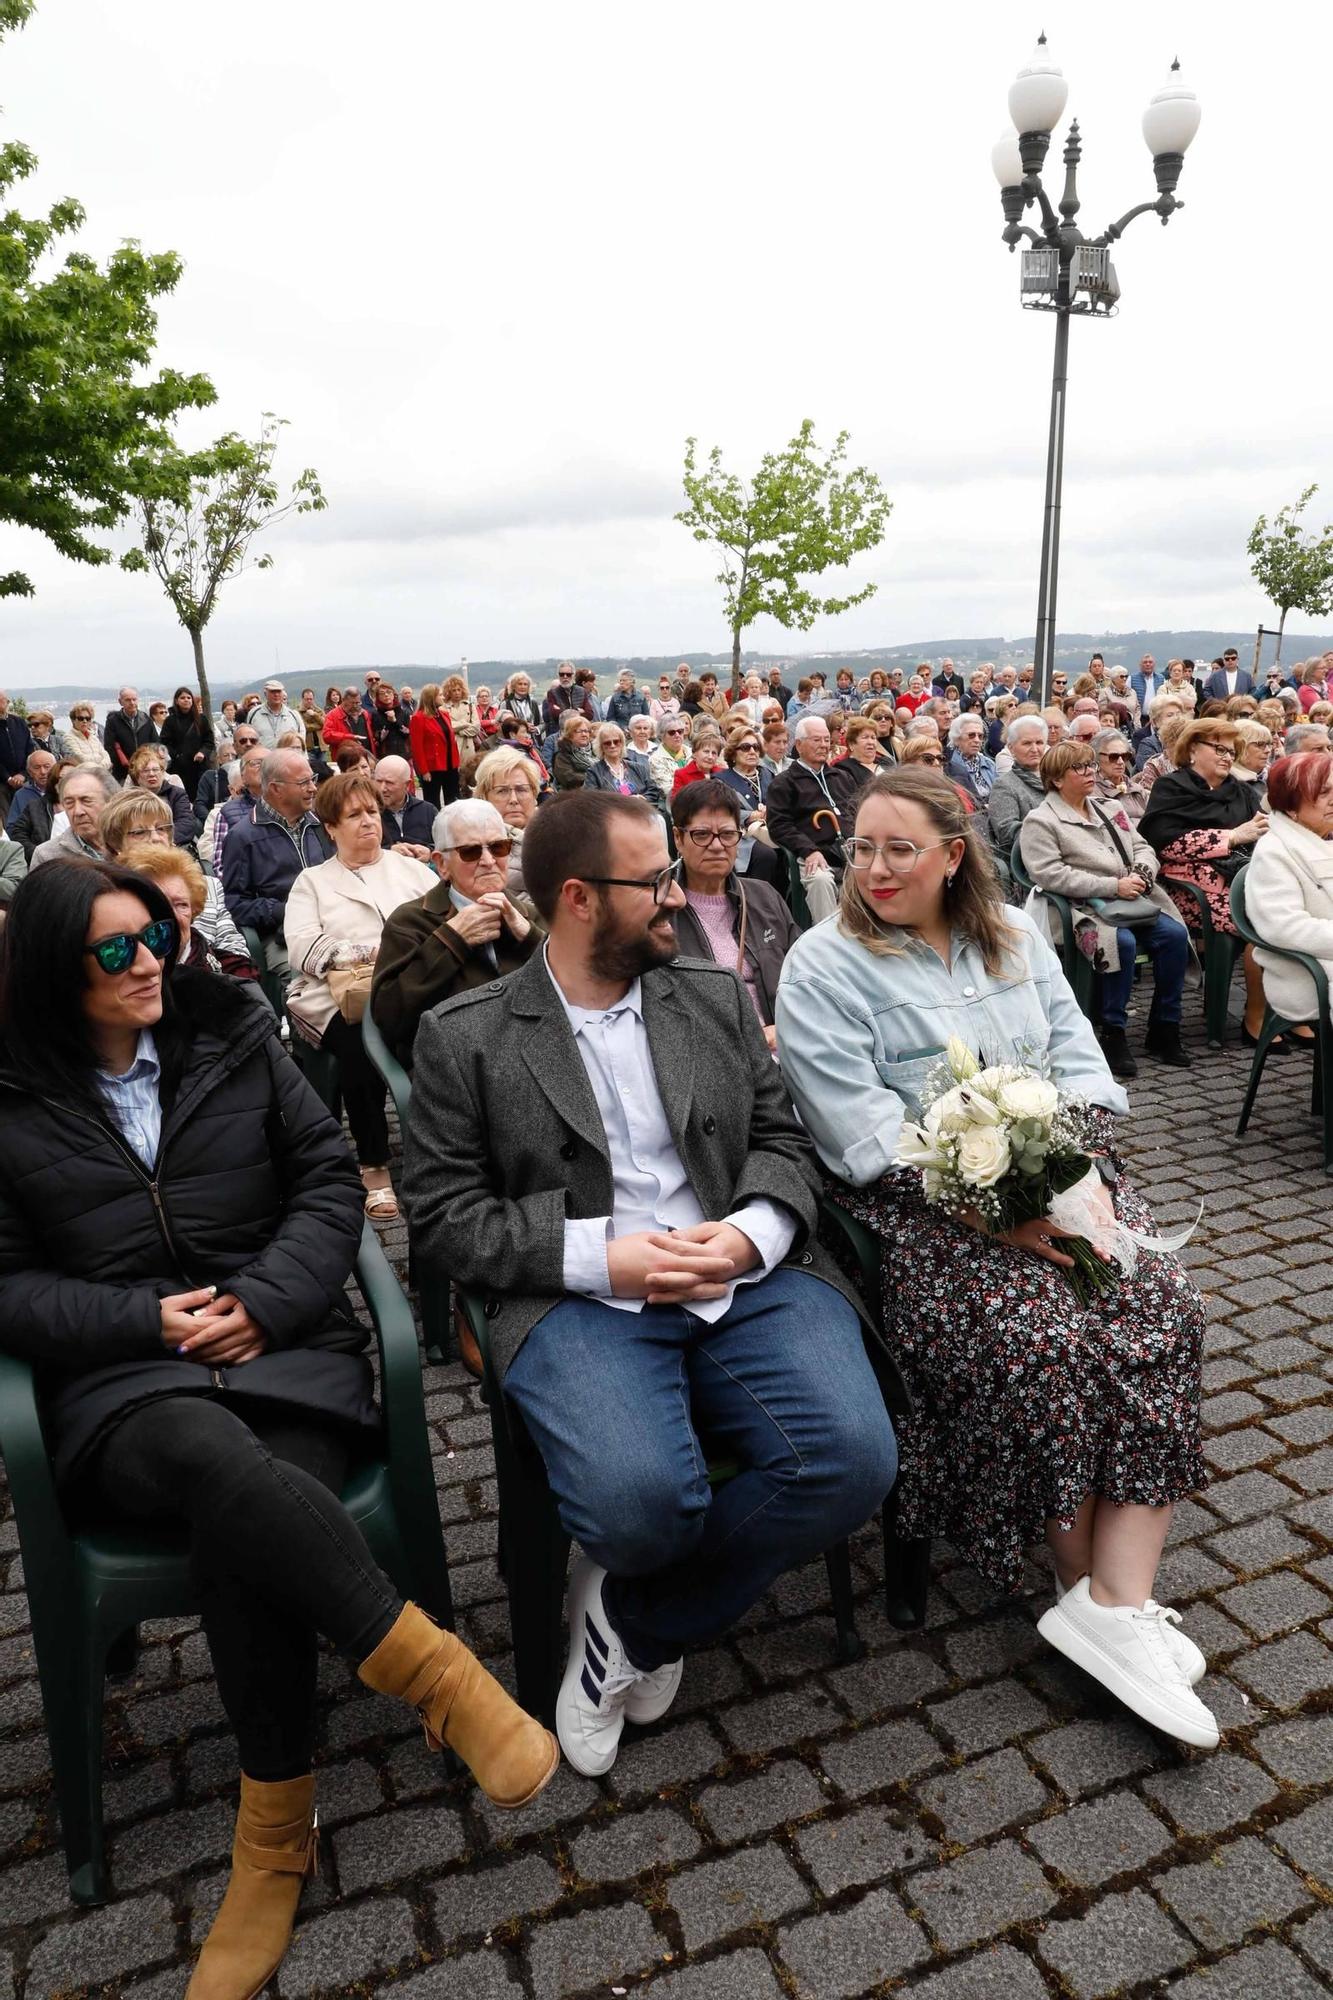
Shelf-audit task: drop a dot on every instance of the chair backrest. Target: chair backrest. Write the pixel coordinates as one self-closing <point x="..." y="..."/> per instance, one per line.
<point x="1240" y="916"/>
<point x="1018" y="868"/>
<point x="383" y="1060"/>
<point x="800" y="908"/>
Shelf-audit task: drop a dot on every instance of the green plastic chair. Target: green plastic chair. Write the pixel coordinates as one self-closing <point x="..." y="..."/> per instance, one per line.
<point x="86" y="1589"/>
<point x="534" y="1547"/>
<point x="432" y="1286"/>
<point x="1077" y="966"/>
<point x="1220" y="952"/>
<point x="271" y="984"/>
<point x="796" y="897"/>
<point x="1321" y="1089"/>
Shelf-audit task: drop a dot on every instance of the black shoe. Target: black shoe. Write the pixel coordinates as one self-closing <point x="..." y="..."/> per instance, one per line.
<point x="1163" y="1042"/>
<point x="1279" y="1046"/>
<point x="1115" y="1047"/>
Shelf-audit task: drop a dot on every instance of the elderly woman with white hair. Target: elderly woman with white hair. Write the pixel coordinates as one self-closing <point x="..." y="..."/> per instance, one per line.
<point x="1017" y="790"/>
<point x="1117" y="782"/>
<point x="465" y="931"/>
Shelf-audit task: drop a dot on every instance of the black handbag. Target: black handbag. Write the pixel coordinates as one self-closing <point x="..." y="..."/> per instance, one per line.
<point x="1135" y="913"/>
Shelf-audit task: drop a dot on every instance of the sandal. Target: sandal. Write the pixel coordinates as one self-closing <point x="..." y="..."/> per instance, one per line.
<point x="381" y="1205"/>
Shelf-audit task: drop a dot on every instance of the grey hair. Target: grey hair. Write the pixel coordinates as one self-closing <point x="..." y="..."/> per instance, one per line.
<point x="960" y="723"/>
<point x="806" y="724"/>
<point x="673" y="719"/>
<point x="1302" y="733"/>
<point x="104" y="778"/>
<point x="927" y="726"/>
<point x="271" y="768"/>
<point x="1021" y="722"/>
<point x="453" y="820"/>
<point x="233" y="770"/>
<point x="1105" y="738"/>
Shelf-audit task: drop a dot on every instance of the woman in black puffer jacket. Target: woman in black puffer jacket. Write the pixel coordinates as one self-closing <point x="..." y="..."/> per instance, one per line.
<point x="178" y="1218"/>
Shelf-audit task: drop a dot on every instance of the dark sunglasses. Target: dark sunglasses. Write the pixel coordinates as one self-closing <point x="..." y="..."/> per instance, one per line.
<point x="117" y="953"/>
<point x="474" y="850"/>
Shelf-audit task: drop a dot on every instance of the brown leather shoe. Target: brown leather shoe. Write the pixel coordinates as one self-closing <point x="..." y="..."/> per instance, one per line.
<point x="275" y="1848"/>
<point x="510" y="1755"/>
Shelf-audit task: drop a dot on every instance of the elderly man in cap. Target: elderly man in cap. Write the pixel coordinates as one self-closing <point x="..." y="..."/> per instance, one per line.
<point x="276" y="718"/>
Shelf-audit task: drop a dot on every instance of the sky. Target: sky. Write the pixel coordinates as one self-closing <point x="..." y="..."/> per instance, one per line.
<point x="495" y="264"/>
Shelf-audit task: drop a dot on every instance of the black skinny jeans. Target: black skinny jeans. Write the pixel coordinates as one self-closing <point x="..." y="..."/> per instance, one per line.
<point x="275" y="1558"/>
<point x="364" y="1091"/>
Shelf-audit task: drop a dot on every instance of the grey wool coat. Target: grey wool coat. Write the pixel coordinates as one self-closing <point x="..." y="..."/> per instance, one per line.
<point x="505" y="1139"/>
<point x="1063" y="852"/>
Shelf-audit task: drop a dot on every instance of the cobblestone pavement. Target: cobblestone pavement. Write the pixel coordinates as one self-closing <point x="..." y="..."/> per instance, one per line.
<point x="958" y="1815"/>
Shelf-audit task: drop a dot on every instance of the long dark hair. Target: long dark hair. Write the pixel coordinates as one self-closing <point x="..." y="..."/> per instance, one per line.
<point x="44" y="970"/>
<point x="196" y="706"/>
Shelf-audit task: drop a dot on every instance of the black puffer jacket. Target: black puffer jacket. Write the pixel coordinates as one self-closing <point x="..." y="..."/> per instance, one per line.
<point x="253" y="1191"/>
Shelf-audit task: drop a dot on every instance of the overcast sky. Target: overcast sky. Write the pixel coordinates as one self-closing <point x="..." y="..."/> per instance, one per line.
<point x="494" y="263"/>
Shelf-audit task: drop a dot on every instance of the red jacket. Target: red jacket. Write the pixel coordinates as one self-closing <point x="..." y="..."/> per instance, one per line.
<point x="339" y="729"/>
<point x="434" y="745"/>
<point x="690" y="774"/>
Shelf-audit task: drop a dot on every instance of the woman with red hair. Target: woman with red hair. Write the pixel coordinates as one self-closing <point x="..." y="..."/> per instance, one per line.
<point x="1289" y="883"/>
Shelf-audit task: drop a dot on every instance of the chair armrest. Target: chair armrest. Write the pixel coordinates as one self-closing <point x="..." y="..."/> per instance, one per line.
<point x="48" y="1553"/>
<point x="387" y="1064"/>
<point x="862" y="1243"/>
<point x="473" y="1307"/>
<point x="402" y="1401"/>
<point x="1199" y="895"/>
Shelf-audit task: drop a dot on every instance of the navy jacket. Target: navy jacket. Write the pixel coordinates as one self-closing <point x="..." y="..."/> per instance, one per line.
<point x="418" y="825"/>
<point x="15" y="747"/>
<point x="262" y="858"/>
<point x="1215" y="687"/>
<point x="622" y="706"/>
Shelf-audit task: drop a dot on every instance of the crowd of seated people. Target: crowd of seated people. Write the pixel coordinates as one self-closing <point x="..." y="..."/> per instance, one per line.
<point x="606" y="1044"/>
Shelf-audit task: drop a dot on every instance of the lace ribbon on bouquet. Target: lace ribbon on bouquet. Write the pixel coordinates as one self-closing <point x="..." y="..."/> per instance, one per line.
<point x="1082" y="1211"/>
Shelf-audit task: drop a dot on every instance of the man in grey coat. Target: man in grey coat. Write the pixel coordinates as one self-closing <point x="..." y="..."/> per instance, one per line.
<point x="602" y="1144"/>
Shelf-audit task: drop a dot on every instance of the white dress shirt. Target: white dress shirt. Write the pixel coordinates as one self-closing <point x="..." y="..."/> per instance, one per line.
<point x="652" y="1188"/>
<point x="132" y="1101"/>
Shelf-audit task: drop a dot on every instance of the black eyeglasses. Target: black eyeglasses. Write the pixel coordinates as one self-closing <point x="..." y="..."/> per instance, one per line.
<point x="1116" y="756"/>
<point x="117" y="953"/>
<point x="474" y="850"/>
<point x="659" y="884"/>
<point x="704" y="836"/>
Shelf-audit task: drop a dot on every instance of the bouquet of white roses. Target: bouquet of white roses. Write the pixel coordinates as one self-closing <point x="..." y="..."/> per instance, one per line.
<point x="1004" y="1143"/>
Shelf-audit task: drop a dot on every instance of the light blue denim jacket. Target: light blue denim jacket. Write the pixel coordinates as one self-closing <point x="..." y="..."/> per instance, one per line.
<point x="858" y="1034"/>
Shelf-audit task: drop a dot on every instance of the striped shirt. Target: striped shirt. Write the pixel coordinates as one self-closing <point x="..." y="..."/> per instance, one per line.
<point x="132" y="1100"/>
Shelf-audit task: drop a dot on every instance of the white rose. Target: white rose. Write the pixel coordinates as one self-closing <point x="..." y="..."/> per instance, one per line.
<point x="961" y="1059"/>
<point x="983" y="1156"/>
<point x="1029" y="1097"/>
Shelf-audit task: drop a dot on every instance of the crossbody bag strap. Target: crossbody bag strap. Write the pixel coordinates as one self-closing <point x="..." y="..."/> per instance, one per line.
<point x="745" y="917"/>
<point x="1114" y="832"/>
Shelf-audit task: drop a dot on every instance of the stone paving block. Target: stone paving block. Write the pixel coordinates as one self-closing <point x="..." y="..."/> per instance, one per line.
<point x="980" y="1894"/>
<point x="672" y="1756"/>
<point x="1300" y="1750"/>
<point x="593" y="1949"/>
<point x="416" y="1772"/>
<point x="1287" y="1670"/>
<point x="1219" y="1373"/>
<point x="139" y="1790"/>
<point x="1312" y="1472"/>
<point x="1103" y="1838"/>
<point x="743" y="1975"/>
<point x="834" y="1956"/>
<point x="17" y="1820"/>
<point x="984" y="1718"/>
<point x="155" y="1848"/>
<point x="632" y="1842"/>
<point x="756" y="1886"/>
<point x="1247" y="1495"/>
<point x="1186" y="1573"/>
<point x="788" y="1651"/>
<point x="1316" y="1514"/>
<point x="1235" y="1889"/>
<point x="1290" y="1352"/>
<point x="886" y="1681"/>
<point x="866" y="1846"/>
<point x="566" y="1797"/>
<point x="481" y="1899"/>
<point x="984" y="1796"/>
<point x="872" y="1759"/>
<point x="348" y="1944"/>
<point x="476" y="1975"/>
<point x="1119" y="1942"/>
<point x="709" y="1679"/>
<point x="120" y="1938"/>
<point x="346" y="1790"/>
<point x="1291" y="1389"/>
<point x="1302" y="1427"/>
<point x="994" y="1647"/>
<point x="1260" y="1972"/>
<point x="1212" y="1794"/>
<point x="1308" y="1840"/>
<point x="1315" y="1939"/>
<point x="1234" y="1450"/>
<point x="1218" y="1413"/>
<point x="1275" y="1604"/>
<point x="1001" y="1973"/>
<point x="377" y="1852"/>
<point x="1257" y="1545"/>
<point x="754" y="1805"/>
<point x="1188" y="1521"/>
<point x="778" y="1721"/>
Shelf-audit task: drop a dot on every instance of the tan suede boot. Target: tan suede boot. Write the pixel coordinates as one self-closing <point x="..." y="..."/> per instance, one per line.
<point x="511" y="1757"/>
<point x="275" y="1848"/>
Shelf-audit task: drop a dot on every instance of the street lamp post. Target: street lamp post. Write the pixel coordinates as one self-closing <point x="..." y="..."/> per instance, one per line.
<point x="1065" y="272"/>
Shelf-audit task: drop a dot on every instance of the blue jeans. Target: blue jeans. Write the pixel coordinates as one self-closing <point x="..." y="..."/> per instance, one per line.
<point x="616" y="1402"/>
<point x="1168" y="946"/>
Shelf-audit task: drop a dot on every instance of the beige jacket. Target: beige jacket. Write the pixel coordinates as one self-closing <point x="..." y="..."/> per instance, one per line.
<point x="1289" y="900"/>
<point x="332" y="905"/>
<point x="1080" y="860"/>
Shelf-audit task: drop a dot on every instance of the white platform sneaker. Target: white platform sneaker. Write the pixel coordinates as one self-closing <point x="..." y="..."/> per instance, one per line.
<point x="601" y="1687"/>
<point x="1191" y="1659"/>
<point x="1130" y="1652"/>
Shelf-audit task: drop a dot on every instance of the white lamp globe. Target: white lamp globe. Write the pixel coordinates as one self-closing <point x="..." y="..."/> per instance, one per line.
<point x="1006" y="159"/>
<point x="1172" y="118"/>
<point x="1038" y="94"/>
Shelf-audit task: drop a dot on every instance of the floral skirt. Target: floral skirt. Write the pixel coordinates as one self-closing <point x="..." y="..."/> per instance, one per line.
<point x="1026" y="1401"/>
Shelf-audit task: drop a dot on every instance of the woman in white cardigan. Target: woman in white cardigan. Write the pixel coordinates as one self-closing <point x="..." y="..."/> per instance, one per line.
<point x="1289" y="883"/>
<point x="335" y="918"/>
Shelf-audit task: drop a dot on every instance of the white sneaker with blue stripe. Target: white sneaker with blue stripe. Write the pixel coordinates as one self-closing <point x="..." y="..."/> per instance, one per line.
<point x="591" y="1707"/>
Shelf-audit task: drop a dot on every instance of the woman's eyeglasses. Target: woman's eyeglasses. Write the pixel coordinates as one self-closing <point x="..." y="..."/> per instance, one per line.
<point x="474" y="849"/>
<point x="703" y="836"/>
<point x="929" y="757"/>
<point x="757" y="747"/>
<point x="899" y="856"/>
<point x="117" y="953"/>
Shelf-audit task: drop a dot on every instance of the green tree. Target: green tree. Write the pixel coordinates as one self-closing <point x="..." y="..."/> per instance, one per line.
<point x="199" y="514"/>
<point x="803" y="513"/>
<point x="1293" y="569"/>
<point x="77" y="411"/>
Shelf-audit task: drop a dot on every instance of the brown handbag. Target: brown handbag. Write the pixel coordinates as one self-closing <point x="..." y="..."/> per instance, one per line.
<point x="350" y="987"/>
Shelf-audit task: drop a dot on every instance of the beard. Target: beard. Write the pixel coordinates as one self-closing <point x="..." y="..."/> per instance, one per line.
<point x="622" y="951"/>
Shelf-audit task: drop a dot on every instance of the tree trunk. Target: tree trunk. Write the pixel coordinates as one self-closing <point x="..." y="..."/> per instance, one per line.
<point x="736" y="663"/>
<point x="1282" y="619"/>
<point x="197" y="641"/>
